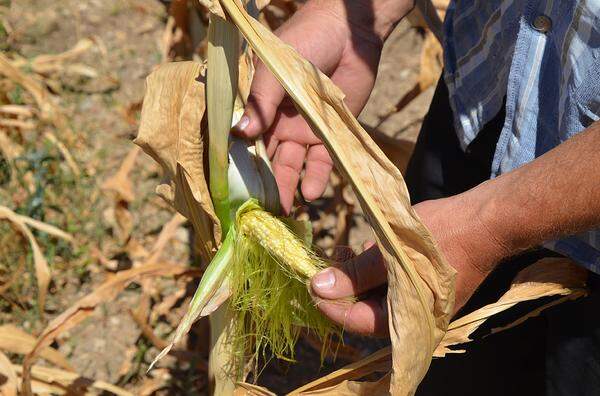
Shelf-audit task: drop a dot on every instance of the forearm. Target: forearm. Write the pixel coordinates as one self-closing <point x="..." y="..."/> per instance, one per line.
<point x="555" y="195"/>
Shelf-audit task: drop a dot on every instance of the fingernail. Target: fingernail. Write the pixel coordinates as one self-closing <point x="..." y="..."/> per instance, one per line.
<point x="242" y="123"/>
<point x="324" y="280"/>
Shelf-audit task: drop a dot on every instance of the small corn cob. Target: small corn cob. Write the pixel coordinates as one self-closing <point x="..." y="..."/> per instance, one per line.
<point x="277" y="239"/>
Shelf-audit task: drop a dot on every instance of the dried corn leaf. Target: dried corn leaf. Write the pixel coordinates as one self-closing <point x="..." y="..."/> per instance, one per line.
<point x="33" y="86"/>
<point x="547" y="277"/>
<point x="19" y="124"/>
<point x="17" y="110"/>
<point x="416" y="18"/>
<point x="150" y="386"/>
<point x="398" y="150"/>
<point x="431" y="65"/>
<point x="8" y="377"/>
<point x="64" y="151"/>
<point x="85" y="307"/>
<point x="49" y="111"/>
<point x="246" y="389"/>
<point x="431" y="17"/>
<point x="166" y="234"/>
<point x="71" y="383"/>
<point x="46" y="64"/>
<point x="352" y="388"/>
<point x="9" y="149"/>
<point x="47" y="228"/>
<point x="420" y="294"/>
<point x="120" y="182"/>
<point x="42" y="271"/>
<point x="377" y="362"/>
<point x="181" y="45"/>
<point x="172" y="114"/>
<point x="15" y="340"/>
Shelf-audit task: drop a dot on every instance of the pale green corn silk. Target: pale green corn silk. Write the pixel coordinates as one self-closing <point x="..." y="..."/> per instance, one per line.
<point x="270" y="302"/>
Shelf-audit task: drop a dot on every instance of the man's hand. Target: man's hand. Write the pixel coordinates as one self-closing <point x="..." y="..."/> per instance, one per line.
<point x="555" y="195"/>
<point x="343" y="38"/>
<point x="461" y="237"/>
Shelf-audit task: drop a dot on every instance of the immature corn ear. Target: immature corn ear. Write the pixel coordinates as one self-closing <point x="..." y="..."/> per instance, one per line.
<point x="270" y="299"/>
<point x="276" y="238"/>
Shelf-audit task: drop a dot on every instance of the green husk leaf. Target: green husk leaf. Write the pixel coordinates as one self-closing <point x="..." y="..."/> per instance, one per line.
<point x="214" y="276"/>
<point x="221" y="92"/>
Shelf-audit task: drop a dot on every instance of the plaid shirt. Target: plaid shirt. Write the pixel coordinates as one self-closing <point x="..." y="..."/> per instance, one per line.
<point x="543" y="56"/>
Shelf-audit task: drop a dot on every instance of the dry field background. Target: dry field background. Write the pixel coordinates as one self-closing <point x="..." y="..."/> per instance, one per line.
<point x="78" y="214"/>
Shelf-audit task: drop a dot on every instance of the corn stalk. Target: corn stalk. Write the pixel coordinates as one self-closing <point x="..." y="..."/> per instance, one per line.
<point x="221" y="91"/>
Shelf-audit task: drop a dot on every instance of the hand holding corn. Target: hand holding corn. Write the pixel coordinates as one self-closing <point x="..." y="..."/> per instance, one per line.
<point x="342" y="38"/>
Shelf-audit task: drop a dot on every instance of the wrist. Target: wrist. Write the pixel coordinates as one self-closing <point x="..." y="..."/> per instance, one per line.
<point x="489" y="222"/>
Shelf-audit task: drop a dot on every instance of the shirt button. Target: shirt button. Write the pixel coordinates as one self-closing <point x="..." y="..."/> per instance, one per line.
<point x="542" y="23"/>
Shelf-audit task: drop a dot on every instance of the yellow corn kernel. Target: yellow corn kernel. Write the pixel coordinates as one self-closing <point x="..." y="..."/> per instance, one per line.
<point x="276" y="238"/>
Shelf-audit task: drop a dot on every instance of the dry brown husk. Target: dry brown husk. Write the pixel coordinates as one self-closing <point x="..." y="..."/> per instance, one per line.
<point x="52" y="381"/>
<point x="420" y="293"/>
<point x="546" y="278"/>
<point x="169" y="131"/>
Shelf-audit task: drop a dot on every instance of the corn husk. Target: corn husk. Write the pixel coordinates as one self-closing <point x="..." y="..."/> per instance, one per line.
<point x="173" y="110"/>
<point x="420" y="293"/>
<point x="173" y="131"/>
<point x="546" y="278"/>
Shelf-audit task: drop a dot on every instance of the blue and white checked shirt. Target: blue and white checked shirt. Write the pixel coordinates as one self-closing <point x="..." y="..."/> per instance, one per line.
<point x="543" y="56"/>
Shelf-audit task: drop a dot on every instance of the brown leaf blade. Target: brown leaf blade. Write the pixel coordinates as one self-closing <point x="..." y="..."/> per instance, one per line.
<point x="15" y="340"/>
<point x="85" y="307"/>
<point x="42" y="271"/>
<point x="64" y="382"/>
<point x="246" y="389"/>
<point x="8" y="377"/>
<point x="170" y="132"/>
<point x="547" y="277"/>
<point x="379" y="361"/>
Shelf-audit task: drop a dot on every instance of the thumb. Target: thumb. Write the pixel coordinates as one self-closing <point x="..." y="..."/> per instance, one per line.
<point x="353" y="277"/>
<point x="265" y="97"/>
